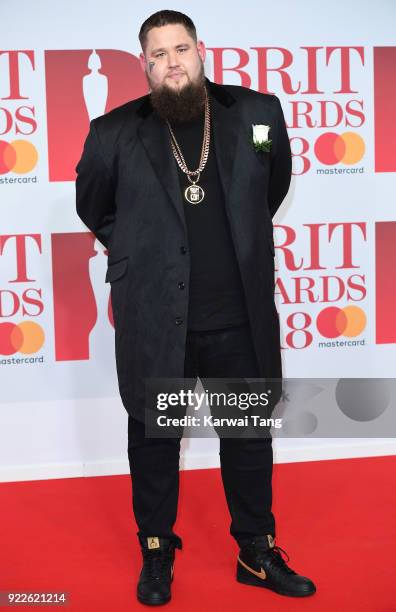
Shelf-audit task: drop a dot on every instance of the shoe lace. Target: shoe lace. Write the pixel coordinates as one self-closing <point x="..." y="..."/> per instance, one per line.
<point x="156" y="562"/>
<point x="276" y="560"/>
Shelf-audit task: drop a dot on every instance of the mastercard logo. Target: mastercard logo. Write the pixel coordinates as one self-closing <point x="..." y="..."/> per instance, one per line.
<point x="333" y="322"/>
<point x="26" y="337"/>
<point x="347" y="148"/>
<point x="18" y="156"/>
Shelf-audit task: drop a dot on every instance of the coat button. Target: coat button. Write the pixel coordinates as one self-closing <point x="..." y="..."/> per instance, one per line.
<point x="183" y="250"/>
<point x="181" y="285"/>
<point x="178" y="320"/>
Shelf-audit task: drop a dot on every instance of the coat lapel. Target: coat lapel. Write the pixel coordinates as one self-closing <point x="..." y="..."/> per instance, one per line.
<point x="226" y="131"/>
<point x="154" y="136"/>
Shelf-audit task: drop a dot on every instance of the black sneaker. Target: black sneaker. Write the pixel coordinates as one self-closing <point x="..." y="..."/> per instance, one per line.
<point x="154" y="585"/>
<point x="260" y="563"/>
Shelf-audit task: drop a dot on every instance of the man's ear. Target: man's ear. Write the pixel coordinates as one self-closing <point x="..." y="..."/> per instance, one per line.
<point x="201" y="50"/>
<point x="143" y="62"/>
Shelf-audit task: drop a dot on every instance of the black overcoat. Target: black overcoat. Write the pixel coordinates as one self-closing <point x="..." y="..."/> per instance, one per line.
<point x="128" y="194"/>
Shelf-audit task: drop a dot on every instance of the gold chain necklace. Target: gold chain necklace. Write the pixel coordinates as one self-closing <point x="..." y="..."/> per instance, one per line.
<point x="194" y="194"/>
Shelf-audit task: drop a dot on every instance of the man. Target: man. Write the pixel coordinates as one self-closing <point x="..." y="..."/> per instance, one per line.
<point x="175" y="189"/>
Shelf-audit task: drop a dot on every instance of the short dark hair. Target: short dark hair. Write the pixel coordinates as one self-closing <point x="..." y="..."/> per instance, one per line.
<point x="162" y="18"/>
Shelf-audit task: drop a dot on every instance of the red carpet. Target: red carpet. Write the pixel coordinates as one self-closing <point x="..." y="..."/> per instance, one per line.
<point x="335" y="519"/>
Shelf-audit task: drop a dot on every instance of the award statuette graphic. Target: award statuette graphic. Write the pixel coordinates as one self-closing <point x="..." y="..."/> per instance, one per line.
<point x="95" y="88"/>
<point x="101" y="336"/>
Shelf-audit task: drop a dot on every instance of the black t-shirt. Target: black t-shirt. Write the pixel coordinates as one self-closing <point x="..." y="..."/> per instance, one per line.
<point x="216" y="298"/>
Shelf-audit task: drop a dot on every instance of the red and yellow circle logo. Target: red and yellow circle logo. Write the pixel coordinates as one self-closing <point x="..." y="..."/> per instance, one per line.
<point x="333" y="322"/>
<point x="26" y="337"/>
<point x="18" y="156"/>
<point x="347" y="148"/>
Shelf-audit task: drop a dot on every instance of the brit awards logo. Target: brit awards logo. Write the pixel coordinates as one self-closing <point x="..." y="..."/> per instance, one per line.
<point x="322" y="290"/>
<point x="325" y="102"/>
<point x="82" y="315"/>
<point x="18" y="123"/>
<point x="83" y="318"/>
<point x="81" y="85"/>
<point x="22" y="334"/>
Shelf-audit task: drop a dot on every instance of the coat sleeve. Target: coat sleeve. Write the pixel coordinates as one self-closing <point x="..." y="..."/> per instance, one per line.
<point x="95" y="201"/>
<point x="281" y="161"/>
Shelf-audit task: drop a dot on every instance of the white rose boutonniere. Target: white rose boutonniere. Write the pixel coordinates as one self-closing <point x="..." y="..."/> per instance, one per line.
<point x="260" y="137"/>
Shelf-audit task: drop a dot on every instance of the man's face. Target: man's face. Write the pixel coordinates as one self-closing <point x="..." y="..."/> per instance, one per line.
<point x="172" y="59"/>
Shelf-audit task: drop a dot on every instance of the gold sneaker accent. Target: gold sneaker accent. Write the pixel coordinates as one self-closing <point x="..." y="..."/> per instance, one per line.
<point x="261" y="574"/>
<point x="153" y="542"/>
<point x="271" y="541"/>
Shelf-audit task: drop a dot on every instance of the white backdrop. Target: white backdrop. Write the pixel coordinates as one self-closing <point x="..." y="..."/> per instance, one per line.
<point x="332" y="69"/>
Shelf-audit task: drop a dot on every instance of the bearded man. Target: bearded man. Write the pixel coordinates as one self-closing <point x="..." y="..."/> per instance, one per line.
<point x="182" y="197"/>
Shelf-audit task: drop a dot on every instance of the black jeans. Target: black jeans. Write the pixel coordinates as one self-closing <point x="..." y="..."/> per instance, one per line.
<point x="246" y="464"/>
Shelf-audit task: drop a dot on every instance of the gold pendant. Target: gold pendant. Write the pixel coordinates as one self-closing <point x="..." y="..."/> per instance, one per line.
<point x="194" y="194"/>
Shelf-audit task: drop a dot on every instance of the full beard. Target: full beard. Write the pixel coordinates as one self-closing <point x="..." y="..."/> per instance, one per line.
<point x="178" y="106"/>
